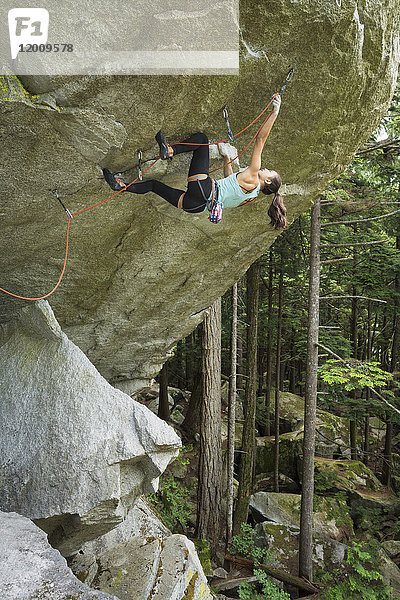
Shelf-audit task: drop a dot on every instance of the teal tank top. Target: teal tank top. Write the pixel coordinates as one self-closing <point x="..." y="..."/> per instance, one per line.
<point x="231" y="194"/>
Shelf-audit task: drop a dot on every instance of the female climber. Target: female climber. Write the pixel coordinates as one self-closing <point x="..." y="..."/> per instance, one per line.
<point x="205" y="193"/>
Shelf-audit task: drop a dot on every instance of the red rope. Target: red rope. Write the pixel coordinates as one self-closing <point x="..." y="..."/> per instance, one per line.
<point x="58" y="282"/>
<point x="124" y="188"/>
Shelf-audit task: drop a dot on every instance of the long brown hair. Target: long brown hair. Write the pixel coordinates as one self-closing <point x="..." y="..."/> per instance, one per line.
<point x="277" y="211"/>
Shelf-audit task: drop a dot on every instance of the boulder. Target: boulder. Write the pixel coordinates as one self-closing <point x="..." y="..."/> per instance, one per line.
<point x="265" y="483"/>
<point x="32" y="570"/>
<point x="331" y="516"/>
<point x="139" y="274"/>
<point x="290" y="446"/>
<point x="347" y="475"/>
<point x="390" y="572"/>
<point x="77" y="453"/>
<point x="332" y="432"/>
<point x="283" y="542"/>
<point x="328" y="554"/>
<point x="392" y="548"/>
<point x="142" y="520"/>
<point x="160" y="569"/>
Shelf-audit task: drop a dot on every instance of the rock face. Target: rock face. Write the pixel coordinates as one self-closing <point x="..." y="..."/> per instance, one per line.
<point x="160" y="569"/>
<point x="32" y="569"/>
<point x="139" y="274"/>
<point x="76" y="452"/>
<point x="140" y="521"/>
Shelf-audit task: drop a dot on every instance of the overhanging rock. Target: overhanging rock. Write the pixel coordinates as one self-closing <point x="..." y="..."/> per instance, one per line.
<point x="141" y="273"/>
<point x="76" y="452"/>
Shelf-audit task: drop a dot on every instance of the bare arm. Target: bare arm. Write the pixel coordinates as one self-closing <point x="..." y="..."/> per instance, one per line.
<point x="227" y="163"/>
<point x="249" y="175"/>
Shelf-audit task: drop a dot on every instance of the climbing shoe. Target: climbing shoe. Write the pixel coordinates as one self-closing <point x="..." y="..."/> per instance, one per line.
<point x="113" y="181"/>
<point x="163" y="145"/>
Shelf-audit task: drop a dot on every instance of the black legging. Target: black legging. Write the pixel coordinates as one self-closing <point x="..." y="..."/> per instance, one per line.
<point x="192" y="200"/>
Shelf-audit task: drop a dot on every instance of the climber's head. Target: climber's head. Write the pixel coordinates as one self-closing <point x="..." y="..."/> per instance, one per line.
<point x="270" y="182"/>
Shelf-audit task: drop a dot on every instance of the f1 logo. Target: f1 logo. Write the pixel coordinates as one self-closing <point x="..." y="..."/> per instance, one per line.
<point x="27" y="25"/>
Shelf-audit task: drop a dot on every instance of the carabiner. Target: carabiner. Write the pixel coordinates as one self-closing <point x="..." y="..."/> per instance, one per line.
<point x="60" y="201"/>
<point x="226" y="117"/>
<point x="140" y="165"/>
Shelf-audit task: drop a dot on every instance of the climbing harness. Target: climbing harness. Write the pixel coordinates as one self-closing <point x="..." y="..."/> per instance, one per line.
<point x="214" y="205"/>
<point x="60" y="201"/>
<point x="226" y="117"/>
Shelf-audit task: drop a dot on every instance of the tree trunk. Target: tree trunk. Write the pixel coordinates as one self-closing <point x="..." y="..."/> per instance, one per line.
<point x="239" y="377"/>
<point x="191" y="423"/>
<point x="354" y="339"/>
<point x="163" y="404"/>
<point x="353" y="436"/>
<point x="368" y="391"/>
<point x="189" y="362"/>
<point x="387" y="465"/>
<point x="387" y="453"/>
<point x="231" y="418"/>
<point x="310" y="408"/>
<point x="248" y="439"/>
<point x="278" y="378"/>
<point x="180" y="371"/>
<point x="269" y="347"/>
<point x="210" y="469"/>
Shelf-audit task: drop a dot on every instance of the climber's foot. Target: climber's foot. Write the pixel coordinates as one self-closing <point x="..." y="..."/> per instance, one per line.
<point x="166" y="151"/>
<point x="113" y="181"/>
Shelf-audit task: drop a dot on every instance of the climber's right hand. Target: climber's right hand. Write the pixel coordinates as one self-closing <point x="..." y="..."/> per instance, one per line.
<point x="276" y="104"/>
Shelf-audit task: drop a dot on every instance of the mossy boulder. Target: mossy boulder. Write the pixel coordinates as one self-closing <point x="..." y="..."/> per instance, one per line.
<point x="345" y="475"/>
<point x="283" y="542"/>
<point x="290" y="445"/>
<point x="363" y="489"/>
<point x="331" y="515"/>
<point x="392" y="548"/>
<point x="332" y="431"/>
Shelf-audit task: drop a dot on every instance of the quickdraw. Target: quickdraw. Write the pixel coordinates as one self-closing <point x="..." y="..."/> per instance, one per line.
<point x="226" y="117"/>
<point x="69" y="215"/>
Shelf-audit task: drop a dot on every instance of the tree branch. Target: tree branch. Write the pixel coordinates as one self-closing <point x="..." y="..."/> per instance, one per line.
<point x="334" y="260"/>
<point x="360" y="297"/>
<point x="370" y="388"/>
<point x="359" y="220"/>
<point x="389" y="144"/>
<point x="353" y="244"/>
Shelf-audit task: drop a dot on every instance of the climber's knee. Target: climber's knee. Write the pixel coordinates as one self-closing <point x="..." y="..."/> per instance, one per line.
<point x="201" y="137"/>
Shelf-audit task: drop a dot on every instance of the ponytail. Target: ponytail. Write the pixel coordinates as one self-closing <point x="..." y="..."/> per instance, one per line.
<point x="277" y="211"/>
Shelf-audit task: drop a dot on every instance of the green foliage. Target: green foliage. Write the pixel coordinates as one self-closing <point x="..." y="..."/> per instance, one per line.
<point x="269" y="590"/>
<point x="359" y="580"/>
<point x="172" y="498"/>
<point x="353" y="374"/>
<point x="377" y="522"/>
<point x="245" y="544"/>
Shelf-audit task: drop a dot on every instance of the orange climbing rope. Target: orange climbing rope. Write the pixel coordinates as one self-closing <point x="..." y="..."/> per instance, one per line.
<point x="119" y="191"/>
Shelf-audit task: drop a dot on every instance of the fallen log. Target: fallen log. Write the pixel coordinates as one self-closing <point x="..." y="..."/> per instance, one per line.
<point x="287" y="578"/>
